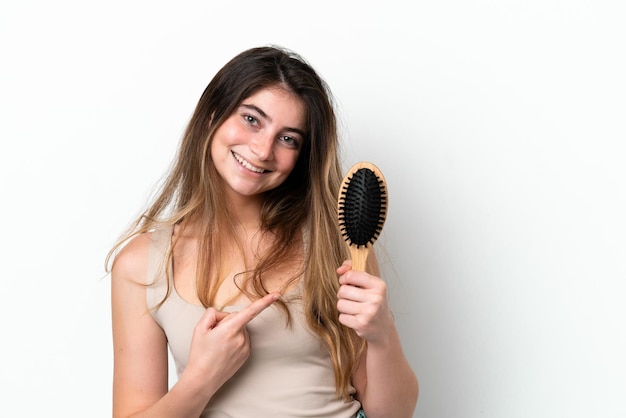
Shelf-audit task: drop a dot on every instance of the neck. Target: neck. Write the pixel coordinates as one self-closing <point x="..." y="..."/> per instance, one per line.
<point x="245" y="211"/>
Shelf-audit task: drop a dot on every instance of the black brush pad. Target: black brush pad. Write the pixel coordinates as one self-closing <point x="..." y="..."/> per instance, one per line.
<point x="362" y="208"/>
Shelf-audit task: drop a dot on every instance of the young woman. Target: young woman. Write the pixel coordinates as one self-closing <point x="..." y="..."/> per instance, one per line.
<point x="239" y="268"/>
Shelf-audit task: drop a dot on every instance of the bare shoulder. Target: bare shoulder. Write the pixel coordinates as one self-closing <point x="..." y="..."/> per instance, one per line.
<point x="130" y="264"/>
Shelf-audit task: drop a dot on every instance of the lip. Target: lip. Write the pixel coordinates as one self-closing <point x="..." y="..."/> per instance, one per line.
<point x="248" y="165"/>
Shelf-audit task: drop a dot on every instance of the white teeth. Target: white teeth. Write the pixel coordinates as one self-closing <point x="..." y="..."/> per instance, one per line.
<point x="247" y="165"/>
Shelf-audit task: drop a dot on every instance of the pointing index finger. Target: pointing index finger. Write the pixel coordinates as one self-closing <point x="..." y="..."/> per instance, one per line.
<point x="248" y="313"/>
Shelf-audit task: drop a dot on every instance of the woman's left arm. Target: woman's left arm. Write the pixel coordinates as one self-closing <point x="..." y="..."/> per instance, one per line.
<point x="385" y="383"/>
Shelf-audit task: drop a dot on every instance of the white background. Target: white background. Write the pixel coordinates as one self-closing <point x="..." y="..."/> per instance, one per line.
<point x="499" y="126"/>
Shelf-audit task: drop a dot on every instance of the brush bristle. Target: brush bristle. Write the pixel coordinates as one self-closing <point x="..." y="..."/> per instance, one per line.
<point x="362" y="207"/>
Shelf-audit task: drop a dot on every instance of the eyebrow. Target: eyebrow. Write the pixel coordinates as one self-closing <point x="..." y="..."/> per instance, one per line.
<point x="267" y="117"/>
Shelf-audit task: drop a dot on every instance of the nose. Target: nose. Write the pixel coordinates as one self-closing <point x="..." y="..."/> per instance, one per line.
<point x="262" y="146"/>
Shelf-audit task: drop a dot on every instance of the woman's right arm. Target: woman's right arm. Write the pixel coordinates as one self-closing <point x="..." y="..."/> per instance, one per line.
<point x="140" y="379"/>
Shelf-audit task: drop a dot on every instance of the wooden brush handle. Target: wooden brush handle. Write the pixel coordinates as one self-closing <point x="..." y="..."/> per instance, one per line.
<point x="359" y="257"/>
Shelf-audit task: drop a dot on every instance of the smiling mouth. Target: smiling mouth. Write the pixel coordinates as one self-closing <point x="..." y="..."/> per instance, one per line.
<point x="246" y="164"/>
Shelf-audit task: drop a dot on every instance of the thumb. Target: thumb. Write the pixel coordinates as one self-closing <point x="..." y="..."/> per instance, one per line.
<point x="345" y="267"/>
<point x="210" y="318"/>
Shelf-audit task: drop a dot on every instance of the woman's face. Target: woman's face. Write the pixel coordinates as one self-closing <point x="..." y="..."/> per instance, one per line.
<point x="257" y="147"/>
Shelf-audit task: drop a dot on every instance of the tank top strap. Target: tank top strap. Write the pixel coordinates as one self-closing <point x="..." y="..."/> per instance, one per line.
<point x="156" y="280"/>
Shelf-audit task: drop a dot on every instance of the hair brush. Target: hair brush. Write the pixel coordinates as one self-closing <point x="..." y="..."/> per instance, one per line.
<point x="362" y="206"/>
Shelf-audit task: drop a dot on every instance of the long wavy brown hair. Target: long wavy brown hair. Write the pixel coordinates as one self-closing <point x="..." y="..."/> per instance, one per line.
<point x="305" y="203"/>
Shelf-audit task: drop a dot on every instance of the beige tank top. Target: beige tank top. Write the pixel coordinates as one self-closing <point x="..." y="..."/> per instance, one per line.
<point x="288" y="374"/>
